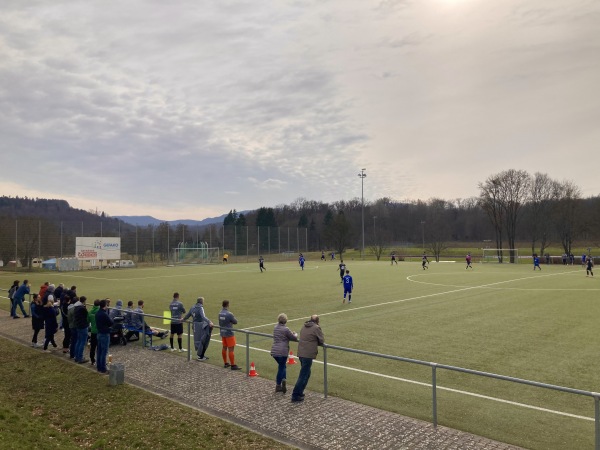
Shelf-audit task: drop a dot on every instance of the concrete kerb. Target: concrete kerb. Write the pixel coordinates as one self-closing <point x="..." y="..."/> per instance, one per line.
<point x="320" y="423"/>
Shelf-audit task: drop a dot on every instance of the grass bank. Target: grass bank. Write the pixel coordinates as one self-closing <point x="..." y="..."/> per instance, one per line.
<point x="47" y="403"/>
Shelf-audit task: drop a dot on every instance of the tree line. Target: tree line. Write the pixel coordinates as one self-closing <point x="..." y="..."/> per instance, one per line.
<point x="513" y="207"/>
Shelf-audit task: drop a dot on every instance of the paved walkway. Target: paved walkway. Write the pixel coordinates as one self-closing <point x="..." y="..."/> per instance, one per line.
<point x="317" y="423"/>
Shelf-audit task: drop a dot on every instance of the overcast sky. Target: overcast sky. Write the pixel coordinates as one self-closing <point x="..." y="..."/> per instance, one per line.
<point x="187" y="109"/>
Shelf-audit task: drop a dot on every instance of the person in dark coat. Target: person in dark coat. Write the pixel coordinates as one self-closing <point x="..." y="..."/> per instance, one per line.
<point x="50" y="323"/>
<point x="37" y="319"/>
<point x="103" y="326"/>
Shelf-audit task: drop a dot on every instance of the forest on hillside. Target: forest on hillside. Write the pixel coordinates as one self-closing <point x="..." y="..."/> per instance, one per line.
<point x="513" y="207"/>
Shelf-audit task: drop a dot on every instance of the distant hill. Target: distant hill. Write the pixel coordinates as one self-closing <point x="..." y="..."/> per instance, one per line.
<point x="144" y="221"/>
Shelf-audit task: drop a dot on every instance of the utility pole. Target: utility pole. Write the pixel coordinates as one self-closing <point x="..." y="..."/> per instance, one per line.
<point x="362" y="176"/>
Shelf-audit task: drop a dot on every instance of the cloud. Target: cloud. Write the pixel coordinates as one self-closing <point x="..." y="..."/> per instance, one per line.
<point x="239" y="104"/>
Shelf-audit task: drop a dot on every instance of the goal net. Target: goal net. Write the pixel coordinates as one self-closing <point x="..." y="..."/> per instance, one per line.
<point x="500" y="255"/>
<point x="195" y="255"/>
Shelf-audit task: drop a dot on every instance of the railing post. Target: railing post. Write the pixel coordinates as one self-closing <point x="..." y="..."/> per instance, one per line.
<point x="597" y="420"/>
<point x="189" y="351"/>
<point x="247" y="354"/>
<point x="434" y="393"/>
<point x="325" y="371"/>
<point x="143" y="331"/>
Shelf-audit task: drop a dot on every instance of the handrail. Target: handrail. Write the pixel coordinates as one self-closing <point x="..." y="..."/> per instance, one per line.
<point x="434" y="367"/>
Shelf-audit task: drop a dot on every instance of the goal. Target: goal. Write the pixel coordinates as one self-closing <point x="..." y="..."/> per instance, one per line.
<point x="195" y="255"/>
<point x="500" y="255"/>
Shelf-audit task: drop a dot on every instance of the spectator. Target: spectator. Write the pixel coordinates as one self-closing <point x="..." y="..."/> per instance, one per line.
<point x="280" y="350"/>
<point x="138" y="322"/>
<point x="43" y="289"/>
<point x="18" y="298"/>
<point x="58" y="292"/>
<point x="81" y="324"/>
<point x="177" y="311"/>
<point x="226" y="320"/>
<point x="72" y="292"/>
<point x="311" y="337"/>
<point x="50" y="323"/>
<point x="117" y="311"/>
<point x="48" y="291"/>
<point x="70" y="318"/>
<point x="65" y="300"/>
<point x="11" y="294"/>
<point x="128" y="322"/>
<point x="93" y="331"/>
<point x="202" y="328"/>
<point x="58" y="296"/>
<point x="37" y="319"/>
<point x="103" y="325"/>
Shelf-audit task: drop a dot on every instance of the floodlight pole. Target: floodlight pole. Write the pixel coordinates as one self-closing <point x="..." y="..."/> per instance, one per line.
<point x="374" y="229"/>
<point x="362" y="176"/>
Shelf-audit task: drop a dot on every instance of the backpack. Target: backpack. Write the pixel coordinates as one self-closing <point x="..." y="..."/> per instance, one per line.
<point x="12" y="291"/>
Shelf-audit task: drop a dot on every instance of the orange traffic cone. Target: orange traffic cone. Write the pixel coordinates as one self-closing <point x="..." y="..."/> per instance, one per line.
<point x="291" y="359"/>
<point x="252" y="371"/>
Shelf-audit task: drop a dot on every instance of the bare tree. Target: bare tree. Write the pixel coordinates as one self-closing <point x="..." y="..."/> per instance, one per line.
<point x="490" y="200"/>
<point x="379" y="243"/>
<point x="502" y="198"/>
<point x="566" y="214"/>
<point x="438" y="226"/>
<point x="339" y="232"/>
<point x="515" y="191"/>
<point x="544" y="194"/>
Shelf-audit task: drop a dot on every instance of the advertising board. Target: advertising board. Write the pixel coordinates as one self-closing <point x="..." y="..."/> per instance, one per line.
<point x="102" y="248"/>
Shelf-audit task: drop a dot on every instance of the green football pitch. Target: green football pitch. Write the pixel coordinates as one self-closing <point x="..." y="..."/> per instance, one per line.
<point x="500" y="318"/>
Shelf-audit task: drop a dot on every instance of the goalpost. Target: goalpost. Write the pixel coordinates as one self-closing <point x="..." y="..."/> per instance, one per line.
<point x="184" y="255"/>
<point x="500" y="255"/>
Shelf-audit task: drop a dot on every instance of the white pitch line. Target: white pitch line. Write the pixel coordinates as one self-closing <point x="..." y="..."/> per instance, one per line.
<point x="420" y="297"/>
<point x="441" y="388"/>
<point x="191" y="274"/>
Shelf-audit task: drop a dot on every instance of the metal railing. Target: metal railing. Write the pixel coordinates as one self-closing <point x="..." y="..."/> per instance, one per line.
<point x="434" y="369"/>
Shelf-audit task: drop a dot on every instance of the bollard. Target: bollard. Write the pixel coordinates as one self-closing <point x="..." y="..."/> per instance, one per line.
<point x="116" y="374"/>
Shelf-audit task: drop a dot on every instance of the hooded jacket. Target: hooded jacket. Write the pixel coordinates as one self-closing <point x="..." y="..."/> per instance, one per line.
<point x="311" y="337"/>
<point x="92" y="318"/>
<point x="80" y="316"/>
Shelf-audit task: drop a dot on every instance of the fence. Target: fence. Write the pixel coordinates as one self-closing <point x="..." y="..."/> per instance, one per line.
<point x="28" y="242"/>
<point x="434" y="370"/>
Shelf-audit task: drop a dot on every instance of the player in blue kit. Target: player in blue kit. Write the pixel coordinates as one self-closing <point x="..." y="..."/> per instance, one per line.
<point x="301" y="261"/>
<point x="536" y="262"/>
<point x="348" y="285"/>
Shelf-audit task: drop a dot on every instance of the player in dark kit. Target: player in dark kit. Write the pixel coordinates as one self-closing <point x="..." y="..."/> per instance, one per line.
<point x="589" y="267"/>
<point x="394" y="258"/>
<point x="425" y="262"/>
<point x="261" y="264"/>
<point x="468" y="258"/>
<point x="342" y="267"/>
